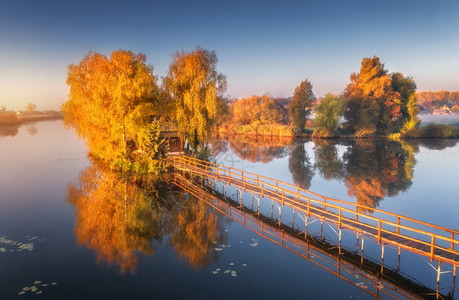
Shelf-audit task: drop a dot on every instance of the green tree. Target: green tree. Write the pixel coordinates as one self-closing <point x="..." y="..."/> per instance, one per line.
<point x="195" y="89"/>
<point x="328" y="112"/>
<point x="111" y="104"/>
<point x="303" y="98"/>
<point x="406" y="89"/>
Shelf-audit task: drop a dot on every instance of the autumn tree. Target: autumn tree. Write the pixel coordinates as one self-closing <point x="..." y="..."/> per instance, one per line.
<point x="246" y="110"/>
<point x="380" y="102"/>
<point x="328" y="112"/>
<point x="31" y="107"/>
<point x="195" y="89"/>
<point x="303" y="98"/>
<point x="370" y="104"/>
<point x="111" y="104"/>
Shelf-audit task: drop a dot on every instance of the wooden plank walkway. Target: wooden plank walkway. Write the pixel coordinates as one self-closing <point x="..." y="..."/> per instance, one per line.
<point x="346" y="265"/>
<point x="426" y="239"/>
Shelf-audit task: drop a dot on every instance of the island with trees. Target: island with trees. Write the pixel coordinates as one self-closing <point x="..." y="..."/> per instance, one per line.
<point x="118" y="106"/>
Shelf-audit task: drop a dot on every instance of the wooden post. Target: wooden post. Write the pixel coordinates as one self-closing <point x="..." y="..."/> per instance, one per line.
<point x="293" y="219"/>
<point x="280" y="215"/>
<point x="382" y="258"/>
<point x="229" y="175"/>
<point x="282" y="237"/>
<point x="322" y="228"/>
<point x="309" y="207"/>
<point x="398" y="225"/>
<point x="361" y="252"/>
<point x="379" y="232"/>
<point x="438" y="272"/>
<point x="398" y="259"/>
<point x="258" y="209"/>
<point x="452" y="243"/>
<point x="339" y="218"/>
<point x="305" y="227"/>
<point x="339" y="241"/>
<point x="432" y="248"/>
<point x="325" y="202"/>
<point x="272" y="207"/>
<point x="298" y="193"/>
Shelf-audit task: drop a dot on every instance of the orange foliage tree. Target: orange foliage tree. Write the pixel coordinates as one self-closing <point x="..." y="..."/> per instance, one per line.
<point x="111" y="104"/>
<point x="195" y="90"/>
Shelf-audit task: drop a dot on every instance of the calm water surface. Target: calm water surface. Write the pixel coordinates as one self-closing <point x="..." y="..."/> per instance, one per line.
<point x="82" y="234"/>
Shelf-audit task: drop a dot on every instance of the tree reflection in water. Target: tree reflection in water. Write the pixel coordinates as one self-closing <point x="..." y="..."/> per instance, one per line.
<point x="121" y="222"/>
<point x="300" y="166"/>
<point x="9" y="130"/>
<point x="253" y="148"/>
<point x="371" y="169"/>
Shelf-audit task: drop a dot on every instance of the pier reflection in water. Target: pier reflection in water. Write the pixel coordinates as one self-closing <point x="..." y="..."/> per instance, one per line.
<point x="348" y="264"/>
<point x="370" y="169"/>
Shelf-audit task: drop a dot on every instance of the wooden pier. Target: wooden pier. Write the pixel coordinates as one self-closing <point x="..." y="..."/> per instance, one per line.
<point x="435" y="242"/>
<point x="370" y="276"/>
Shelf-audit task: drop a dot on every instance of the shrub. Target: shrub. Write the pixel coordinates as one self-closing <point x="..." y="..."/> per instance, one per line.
<point x="439" y="131"/>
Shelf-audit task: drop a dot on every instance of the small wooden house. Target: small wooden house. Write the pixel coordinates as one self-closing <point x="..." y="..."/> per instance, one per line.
<point x="170" y="131"/>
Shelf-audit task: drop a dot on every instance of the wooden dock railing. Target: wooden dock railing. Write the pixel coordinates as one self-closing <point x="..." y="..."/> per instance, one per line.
<point x="435" y="242"/>
<point x="343" y="264"/>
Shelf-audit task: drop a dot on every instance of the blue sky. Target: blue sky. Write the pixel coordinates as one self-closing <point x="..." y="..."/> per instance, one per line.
<point x="261" y="45"/>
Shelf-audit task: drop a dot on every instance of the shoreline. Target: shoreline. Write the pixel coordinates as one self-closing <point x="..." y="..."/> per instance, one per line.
<point x="29" y="118"/>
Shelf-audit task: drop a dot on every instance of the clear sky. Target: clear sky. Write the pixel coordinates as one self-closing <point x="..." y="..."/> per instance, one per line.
<point x="261" y="45"/>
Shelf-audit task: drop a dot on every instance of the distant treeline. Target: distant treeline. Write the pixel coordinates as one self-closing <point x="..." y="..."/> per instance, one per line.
<point x="428" y="101"/>
<point x="375" y="103"/>
<point x="15" y="118"/>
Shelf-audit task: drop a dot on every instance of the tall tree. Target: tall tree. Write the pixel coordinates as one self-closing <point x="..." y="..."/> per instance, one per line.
<point x="303" y="97"/>
<point x="110" y="105"/>
<point x="195" y="88"/>
<point x="371" y="104"/>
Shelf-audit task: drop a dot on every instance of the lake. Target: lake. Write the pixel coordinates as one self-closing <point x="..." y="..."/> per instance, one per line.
<point x="70" y="229"/>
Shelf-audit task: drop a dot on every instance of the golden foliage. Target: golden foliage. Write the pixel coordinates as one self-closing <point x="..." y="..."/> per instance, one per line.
<point x="111" y="103"/>
<point x="195" y="89"/>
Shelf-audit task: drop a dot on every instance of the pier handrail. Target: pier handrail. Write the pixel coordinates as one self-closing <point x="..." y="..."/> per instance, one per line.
<point x="290" y="242"/>
<point x="301" y="199"/>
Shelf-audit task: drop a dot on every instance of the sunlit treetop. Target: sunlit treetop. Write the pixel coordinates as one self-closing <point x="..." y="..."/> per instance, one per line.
<point x="111" y="104"/>
<point x="195" y="89"/>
